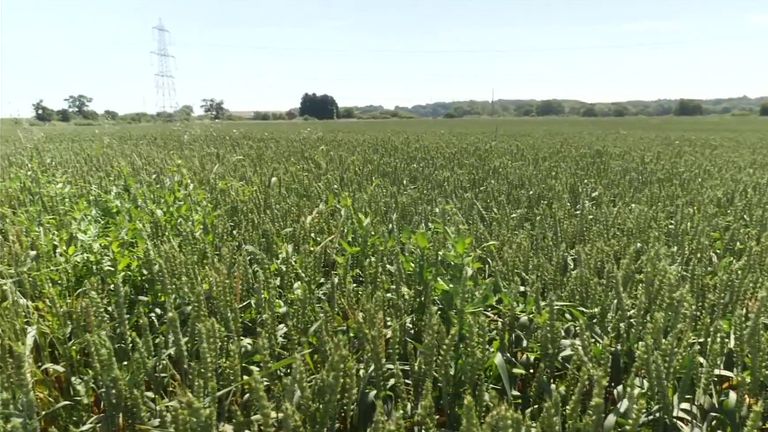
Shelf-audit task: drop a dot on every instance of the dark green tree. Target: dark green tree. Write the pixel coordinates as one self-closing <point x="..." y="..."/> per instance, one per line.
<point x="450" y="115"/>
<point x="525" y="110"/>
<point x="63" y="115"/>
<point x="619" y="111"/>
<point x="332" y="108"/>
<point x="764" y="109"/>
<point x="589" y="111"/>
<point x="550" y="108"/>
<point x="110" y="115"/>
<point x="139" y="117"/>
<point x="42" y="112"/>
<point x="90" y="114"/>
<point x="347" y="113"/>
<point x="184" y="113"/>
<point x="574" y="110"/>
<point x="214" y="108"/>
<point x="165" y="116"/>
<point x="687" y="107"/>
<point x="78" y="105"/>
<point x="323" y="107"/>
<point x="662" y="109"/>
<point x="459" y="111"/>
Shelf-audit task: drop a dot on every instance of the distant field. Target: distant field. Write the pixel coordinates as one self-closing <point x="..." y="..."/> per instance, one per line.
<point x="714" y="125"/>
<point x="480" y="275"/>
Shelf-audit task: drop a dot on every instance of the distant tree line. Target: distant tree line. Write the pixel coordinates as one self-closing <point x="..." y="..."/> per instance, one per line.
<point x="77" y="108"/>
<point x="529" y="108"/>
<point x="553" y="107"/>
<point x="324" y="107"/>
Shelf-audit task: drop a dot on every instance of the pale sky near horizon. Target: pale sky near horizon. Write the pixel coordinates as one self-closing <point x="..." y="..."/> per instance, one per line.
<point x="263" y="55"/>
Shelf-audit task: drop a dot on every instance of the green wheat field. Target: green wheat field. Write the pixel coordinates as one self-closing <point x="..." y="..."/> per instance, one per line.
<point x="425" y="275"/>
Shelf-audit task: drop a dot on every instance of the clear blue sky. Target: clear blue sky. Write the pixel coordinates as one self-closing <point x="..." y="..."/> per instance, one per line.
<point x="265" y="54"/>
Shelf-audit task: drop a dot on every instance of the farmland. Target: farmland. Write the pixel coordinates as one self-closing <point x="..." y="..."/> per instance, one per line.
<point x="473" y="275"/>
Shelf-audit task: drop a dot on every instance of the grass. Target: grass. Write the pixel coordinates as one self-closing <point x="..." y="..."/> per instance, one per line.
<point x="530" y="274"/>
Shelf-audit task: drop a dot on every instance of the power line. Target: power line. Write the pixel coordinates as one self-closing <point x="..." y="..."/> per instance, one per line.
<point x="436" y="51"/>
<point x="165" y="89"/>
<point x="418" y="51"/>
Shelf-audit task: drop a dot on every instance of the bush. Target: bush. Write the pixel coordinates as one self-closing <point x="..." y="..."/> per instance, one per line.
<point x="395" y="114"/>
<point x="85" y="123"/>
<point x="45" y="116"/>
<point x="450" y="115"/>
<point x="165" y="116"/>
<point x="291" y="114"/>
<point x="63" y="115"/>
<point x="90" y="115"/>
<point x="347" y="113"/>
<point x="589" y="111"/>
<point x="525" y="110"/>
<point x="43" y="113"/>
<point x="686" y="107"/>
<point x="139" y="117"/>
<point x="184" y="113"/>
<point x="110" y="115"/>
<point x="764" y="109"/>
<point x="308" y="118"/>
<point x="550" y="108"/>
<point x="618" y="111"/>
<point x="380" y="116"/>
<point x="741" y="113"/>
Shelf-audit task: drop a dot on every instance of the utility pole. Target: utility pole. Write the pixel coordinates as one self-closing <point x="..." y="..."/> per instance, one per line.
<point x="165" y="90"/>
<point x="493" y="112"/>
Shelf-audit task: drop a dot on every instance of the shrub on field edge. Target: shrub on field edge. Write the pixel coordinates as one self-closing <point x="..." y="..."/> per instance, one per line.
<point x="619" y="111"/>
<point x="589" y="111"/>
<point x="63" y="115"/>
<point x="741" y="113"/>
<point x="263" y="116"/>
<point x="550" y="108"/>
<point x="42" y="112"/>
<point x="165" y="116"/>
<point x="686" y="107"/>
<point x="85" y="123"/>
<point x="347" y="113"/>
<point x="90" y="115"/>
<point x="184" y="113"/>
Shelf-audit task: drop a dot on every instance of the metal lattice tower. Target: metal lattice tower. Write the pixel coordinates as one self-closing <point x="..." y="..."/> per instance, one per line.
<point x="165" y="90"/>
